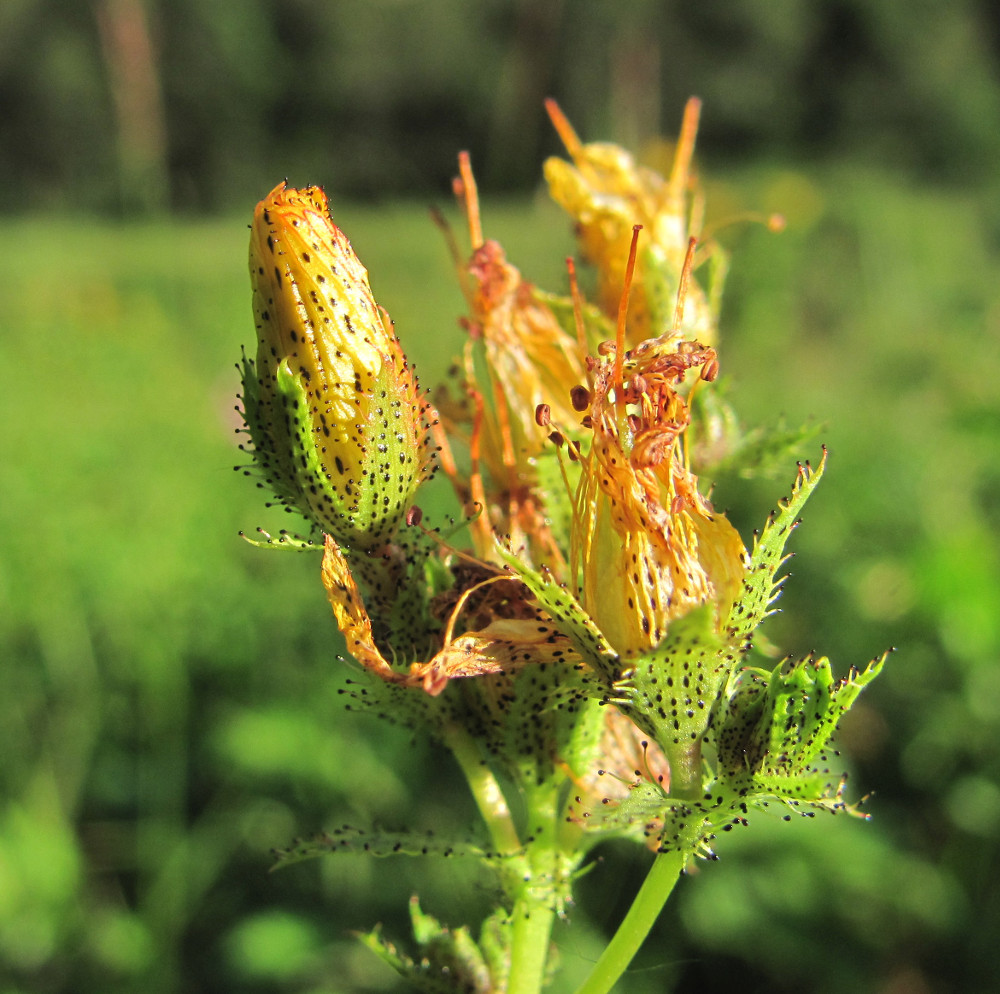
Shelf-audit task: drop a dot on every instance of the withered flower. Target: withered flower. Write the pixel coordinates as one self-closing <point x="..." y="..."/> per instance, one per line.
<point x="606" y="192"/>
<point x="648" y="546"/>
<point x="530" y="362"/>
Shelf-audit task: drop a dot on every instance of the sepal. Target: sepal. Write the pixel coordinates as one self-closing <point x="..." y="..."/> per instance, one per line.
<point x="567" y="615"/>
<point x="760" y="589"/>
<point x="670" y="692"/>
<point x="772" y="732"/>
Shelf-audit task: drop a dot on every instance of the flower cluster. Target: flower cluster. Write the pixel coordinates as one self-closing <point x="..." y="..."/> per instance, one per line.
<point x="599" y="613"/>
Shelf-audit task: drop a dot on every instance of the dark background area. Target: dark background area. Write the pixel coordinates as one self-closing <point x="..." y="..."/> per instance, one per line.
<point x="169" y="706"/>
<point x="124" y="106"/>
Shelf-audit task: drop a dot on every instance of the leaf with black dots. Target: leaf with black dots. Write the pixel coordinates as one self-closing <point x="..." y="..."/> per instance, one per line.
<point x="806" y="706"/>
<point x="639" y="814"/>
<point x="542" y="719"/>
<point x="375" y="843"/>
<point x="670" y="691"/>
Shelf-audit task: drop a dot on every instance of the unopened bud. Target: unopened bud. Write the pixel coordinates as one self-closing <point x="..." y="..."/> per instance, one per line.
<point x="331" y="404"/>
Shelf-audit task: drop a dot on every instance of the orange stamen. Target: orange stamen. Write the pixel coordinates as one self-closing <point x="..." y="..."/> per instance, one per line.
<point x="616" y="377"/>
<point x="449" y="632"/>
<point x="477" y="488"/>
<point x="563" y="128"/>
<point x="470" y="195"/>
<point x="685" y="148"/>
<point x="682" y="289"/>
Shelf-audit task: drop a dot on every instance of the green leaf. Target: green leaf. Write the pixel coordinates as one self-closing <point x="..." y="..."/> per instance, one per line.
<point x="597" y="326"/>
<point x="670" y="692"/>
<point x="448" y="961"/>
<point x="546" y="716"/>
<point x="719" y="444"/>
<point x="374" y="843"/>
<point x="775" y="730"/>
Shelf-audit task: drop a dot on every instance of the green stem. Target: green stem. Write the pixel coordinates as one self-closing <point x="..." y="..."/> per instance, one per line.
<point x="535" y="893"/>
<point x="632" y="932"/>
<point x="485" y="789"/>
<point x="532" y="869"/>
<point x="531" y="929"/>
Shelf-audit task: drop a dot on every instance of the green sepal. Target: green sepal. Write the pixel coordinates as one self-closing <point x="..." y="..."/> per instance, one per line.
<point x="648" y="814"/>
<point x="760" y="589"/>
<point x="270" y="453"/>
<point x="636" y="816"/>
<point x="284" y="540"/>
<point x="567" y="615"/>
<point x="364" y="513"/>
<point x="555" y="479"/>
<point x="671" y="691"/>
<point x="407" y="706"/>
<point x="448" y="961"/>
<point x="297" y="466"/>
<point x="764" y="450"/>
<point x="374" y="843"/>
<point x="539" y="719"/>
<point x="596" y="325"/>
<point x="770" y="735"/>
<point x="661" y="281"/>
<point x="399" y="580"/>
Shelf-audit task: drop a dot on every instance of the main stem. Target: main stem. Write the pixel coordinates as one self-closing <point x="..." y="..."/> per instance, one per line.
<point x="531" y="868"/>
<point x="632" y="932"/>
<point x="535" y="892"/>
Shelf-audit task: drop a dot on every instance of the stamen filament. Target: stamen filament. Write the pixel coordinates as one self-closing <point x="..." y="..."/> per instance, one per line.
<point x="682" y="289"/>
<point x="577" y="297"/>
<point x="685" y="149"/>
<point x="470" y="196"/>
<point x="563" y="128"/>
<point x="616" y="377"/>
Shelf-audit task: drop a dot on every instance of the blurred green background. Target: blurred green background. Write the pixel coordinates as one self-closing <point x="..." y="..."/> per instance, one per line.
<point x="168" y="694"/>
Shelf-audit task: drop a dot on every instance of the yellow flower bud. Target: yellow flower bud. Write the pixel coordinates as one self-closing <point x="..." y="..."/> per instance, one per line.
<point x="331" y="405"/>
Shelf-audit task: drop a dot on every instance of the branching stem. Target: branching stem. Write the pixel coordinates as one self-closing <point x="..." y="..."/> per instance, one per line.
<point x="632" y="932"/>
<point x="485" y="789"/>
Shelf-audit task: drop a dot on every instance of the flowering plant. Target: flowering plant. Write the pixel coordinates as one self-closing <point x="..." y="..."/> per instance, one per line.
<point x="586" y="652"/>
